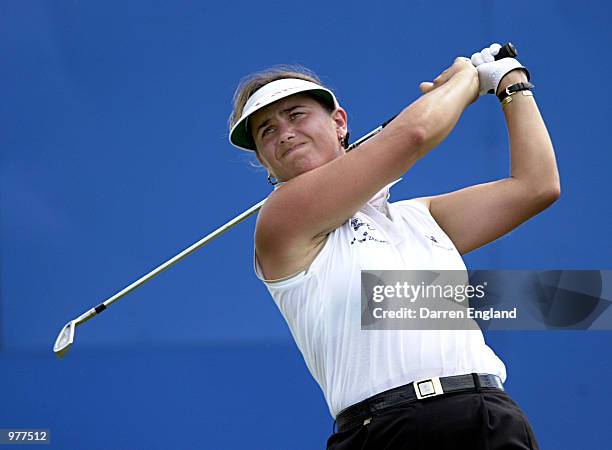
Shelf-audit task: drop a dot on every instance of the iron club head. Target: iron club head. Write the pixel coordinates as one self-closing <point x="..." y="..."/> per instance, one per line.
<point x="64" y="339"/>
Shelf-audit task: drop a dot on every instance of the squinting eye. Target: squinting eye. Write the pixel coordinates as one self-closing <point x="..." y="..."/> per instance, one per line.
<point x="295" y="114"/>
<point x="267" y="131"/>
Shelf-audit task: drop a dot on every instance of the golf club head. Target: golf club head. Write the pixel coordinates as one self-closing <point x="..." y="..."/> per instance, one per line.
<point x="64" y="339"/>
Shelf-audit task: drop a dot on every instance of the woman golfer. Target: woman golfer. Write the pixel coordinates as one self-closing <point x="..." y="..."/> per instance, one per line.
<point x="329" y="218"/>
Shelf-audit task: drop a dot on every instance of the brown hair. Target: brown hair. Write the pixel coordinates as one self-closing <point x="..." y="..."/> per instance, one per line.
<point x="251" y="83"/>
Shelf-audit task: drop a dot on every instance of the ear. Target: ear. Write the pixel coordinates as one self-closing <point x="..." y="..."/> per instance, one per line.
<point x="340" y="119"/>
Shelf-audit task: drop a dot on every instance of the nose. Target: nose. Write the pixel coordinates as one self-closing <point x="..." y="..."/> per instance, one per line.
<point x="286" y="133"/>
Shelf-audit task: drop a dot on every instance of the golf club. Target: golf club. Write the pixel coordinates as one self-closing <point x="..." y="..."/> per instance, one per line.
<point x="66" y="336"/>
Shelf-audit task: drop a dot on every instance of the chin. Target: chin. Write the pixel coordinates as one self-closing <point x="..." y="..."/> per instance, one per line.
<point x="305" y="163"/>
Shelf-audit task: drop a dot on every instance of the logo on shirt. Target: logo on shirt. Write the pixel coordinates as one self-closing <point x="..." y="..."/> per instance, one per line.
<point x="434" y="241"/>
<point x="363" y="232"/>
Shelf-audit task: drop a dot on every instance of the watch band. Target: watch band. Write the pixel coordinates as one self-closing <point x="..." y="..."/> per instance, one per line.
<point x="513" y="89"/>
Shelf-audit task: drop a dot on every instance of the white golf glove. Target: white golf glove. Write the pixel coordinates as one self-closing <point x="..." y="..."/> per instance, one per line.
<point x="490" y="72"/>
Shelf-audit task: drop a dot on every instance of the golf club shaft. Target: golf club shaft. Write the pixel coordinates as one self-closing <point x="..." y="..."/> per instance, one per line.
<point x="507" y="50"/>
<point x="188" y="251"/>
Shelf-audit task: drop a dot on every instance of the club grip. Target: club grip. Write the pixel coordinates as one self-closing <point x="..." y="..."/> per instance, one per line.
<point x="507" y="51"/>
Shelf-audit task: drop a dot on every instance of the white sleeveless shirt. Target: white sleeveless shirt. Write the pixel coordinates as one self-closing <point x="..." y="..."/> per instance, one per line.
<point x="322" y="307"/>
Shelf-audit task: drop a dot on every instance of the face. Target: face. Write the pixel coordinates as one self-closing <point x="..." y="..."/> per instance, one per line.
<point x="297" y="134"/>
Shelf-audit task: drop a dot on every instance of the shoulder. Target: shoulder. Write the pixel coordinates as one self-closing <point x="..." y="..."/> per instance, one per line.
<point x="280" y="247"/>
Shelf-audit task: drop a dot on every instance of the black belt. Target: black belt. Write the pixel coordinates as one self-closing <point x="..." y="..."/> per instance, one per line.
<point x="362" y="412"/>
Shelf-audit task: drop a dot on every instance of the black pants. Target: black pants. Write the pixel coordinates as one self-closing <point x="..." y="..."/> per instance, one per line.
<point x="486" y="420"/>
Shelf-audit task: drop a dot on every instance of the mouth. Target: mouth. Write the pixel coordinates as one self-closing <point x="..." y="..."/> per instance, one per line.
<point x="291" y="150"/>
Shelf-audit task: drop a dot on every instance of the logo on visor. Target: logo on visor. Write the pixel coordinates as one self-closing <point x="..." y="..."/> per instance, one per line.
<point x="276" y="94"/>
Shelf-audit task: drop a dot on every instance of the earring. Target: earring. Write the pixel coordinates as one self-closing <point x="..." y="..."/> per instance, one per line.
<point x="342" y="141"/>
<point x="272" y="182"/>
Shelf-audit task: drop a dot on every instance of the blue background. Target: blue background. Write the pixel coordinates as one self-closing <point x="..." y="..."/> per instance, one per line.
<point x="114" y="157"/>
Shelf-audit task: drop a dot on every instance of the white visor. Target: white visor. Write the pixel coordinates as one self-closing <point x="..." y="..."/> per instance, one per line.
<point x="240" y="135"/>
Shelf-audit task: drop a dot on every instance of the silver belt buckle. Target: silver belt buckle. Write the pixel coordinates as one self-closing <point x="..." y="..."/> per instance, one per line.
<point x="429" y="387"/>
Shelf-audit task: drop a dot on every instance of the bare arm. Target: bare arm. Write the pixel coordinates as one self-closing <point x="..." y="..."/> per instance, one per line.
<point x="305" y="209"/>
<point x="477" y="215"/>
